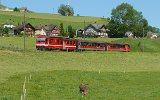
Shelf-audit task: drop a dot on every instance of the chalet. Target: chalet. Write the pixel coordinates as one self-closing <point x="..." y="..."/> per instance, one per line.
<point x="96" y="30"/>
<point x="28" y="28"/>
<point x="152" y="35"/>
<point x="129" y="34"/>
<point x="6" y="9"/>
<point x="50" y="30"/>
<point x="23" y="9"/>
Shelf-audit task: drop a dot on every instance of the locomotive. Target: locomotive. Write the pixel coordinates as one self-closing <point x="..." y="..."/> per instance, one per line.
<point x="67" y="44"/>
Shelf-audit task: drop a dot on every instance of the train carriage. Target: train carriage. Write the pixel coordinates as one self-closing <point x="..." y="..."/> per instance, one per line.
<point x="91" y="45"/>
<point x="124" y="47"/>
<point x="55" y="43"/>
<point x="69" y="44"/>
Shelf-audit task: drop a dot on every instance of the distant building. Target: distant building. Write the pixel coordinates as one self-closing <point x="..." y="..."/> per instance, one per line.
<point x="96" y="30"/>
<point x="152" y="35"/>
<point x="6" y="9"/>
<point x="129" y="35"/>
<point x="9" y="26"/>
<point x="22" y="9"/>
<point x="50" y="30"/>
<point x="28" y="28"/>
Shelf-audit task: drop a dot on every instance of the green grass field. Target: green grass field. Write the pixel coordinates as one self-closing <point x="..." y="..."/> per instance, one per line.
<point x="44" y="19"/>
<point x="56" y="75"/>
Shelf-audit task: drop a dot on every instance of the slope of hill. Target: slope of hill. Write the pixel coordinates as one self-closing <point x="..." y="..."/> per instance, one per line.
<point x="44" y="18"/>
<point x="2" y="6"/>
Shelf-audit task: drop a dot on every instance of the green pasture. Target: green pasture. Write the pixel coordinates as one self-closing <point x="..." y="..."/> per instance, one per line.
<point x="57" y="74"/>
<point x="64" y="85"/>
<point x="45" y="19"/>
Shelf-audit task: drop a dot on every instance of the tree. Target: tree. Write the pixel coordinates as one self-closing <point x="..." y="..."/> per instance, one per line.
<point x="153" y="29"/>
<point x="16" y="9"/>
<point x="61" y="29"/>
<point x="70" y="31"/>
<point x="125" y="18"/>
<point x="65" y="10"/>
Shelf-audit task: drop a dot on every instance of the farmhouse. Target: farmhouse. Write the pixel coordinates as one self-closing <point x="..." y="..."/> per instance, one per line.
<point x="6" y="9"/>
<point x="51" y="30"/>
<point x="96" y="30"/>
<point x="152" y="35"/>
<point x="29" y="29"/>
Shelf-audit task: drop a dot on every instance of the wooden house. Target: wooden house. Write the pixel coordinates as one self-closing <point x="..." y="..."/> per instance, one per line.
<point x="96" y="30"/>
<point x="50" y="30"/>
<point x="27" y="28"/>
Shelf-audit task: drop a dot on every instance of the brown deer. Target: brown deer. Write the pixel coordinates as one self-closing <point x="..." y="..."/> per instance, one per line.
<point x="83" y="89"/>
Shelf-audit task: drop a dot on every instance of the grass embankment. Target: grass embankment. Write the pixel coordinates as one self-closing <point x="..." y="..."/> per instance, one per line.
<point x="122" y="75"/>
<point x="64" y="85"/>
<point x="45" y="19"/>
<point x="57" y="75"/>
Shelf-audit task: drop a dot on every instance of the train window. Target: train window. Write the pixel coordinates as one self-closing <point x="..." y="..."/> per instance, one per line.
<point x="121" y="46"/>
<point x="84" y="43"/>
<point x="50" y="41"/>
<point x="67" y="42"/>
<point x="60" y="42"/>
<point x="41" y="39"/>
<point x="74" y="42"/>
<point x="93" y="44"/>
<point x="117" y="46"/>
<point x="98" y="44"/>
<point x="101" y="45"/>
<point x="70" y="42"/>
<point x="57" y="41"/>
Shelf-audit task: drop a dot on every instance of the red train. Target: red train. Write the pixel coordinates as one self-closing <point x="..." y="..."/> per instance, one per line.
<point x="53" y="43"/>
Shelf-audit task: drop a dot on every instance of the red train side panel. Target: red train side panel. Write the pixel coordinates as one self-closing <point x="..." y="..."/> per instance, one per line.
<point x="118" y="47"/>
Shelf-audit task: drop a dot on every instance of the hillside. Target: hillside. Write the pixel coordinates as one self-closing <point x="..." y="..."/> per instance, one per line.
<point x="2" y="6"/>
<point x="44" y="18"/>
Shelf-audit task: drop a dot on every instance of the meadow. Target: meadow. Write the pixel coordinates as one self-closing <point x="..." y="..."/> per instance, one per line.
<point x="45" y="19"/>
<point x="57" y="74"/>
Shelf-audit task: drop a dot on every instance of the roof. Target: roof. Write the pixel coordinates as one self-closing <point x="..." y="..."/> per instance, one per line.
<point x="96" y="27"/>
<point x="49" y="27"/>
<point x="46" y="27"/>
<point x="27" y="25"/>
<point x="38" y="27"/>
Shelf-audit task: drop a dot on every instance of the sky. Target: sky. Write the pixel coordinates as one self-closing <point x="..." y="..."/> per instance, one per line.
<point x="98" y="8"/>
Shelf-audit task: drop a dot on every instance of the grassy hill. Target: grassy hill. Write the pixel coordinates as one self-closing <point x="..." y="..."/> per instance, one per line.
<point x="57" y="75"/>
<point x="2" y="6"/>
<point x="44" y="18"/>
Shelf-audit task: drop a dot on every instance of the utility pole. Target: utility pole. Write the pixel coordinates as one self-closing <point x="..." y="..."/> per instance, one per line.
<point x="143" y="39"/>
<point x="24" y="26"/>
<point x="84" y="33"/>
<point x="68" y="2"/>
